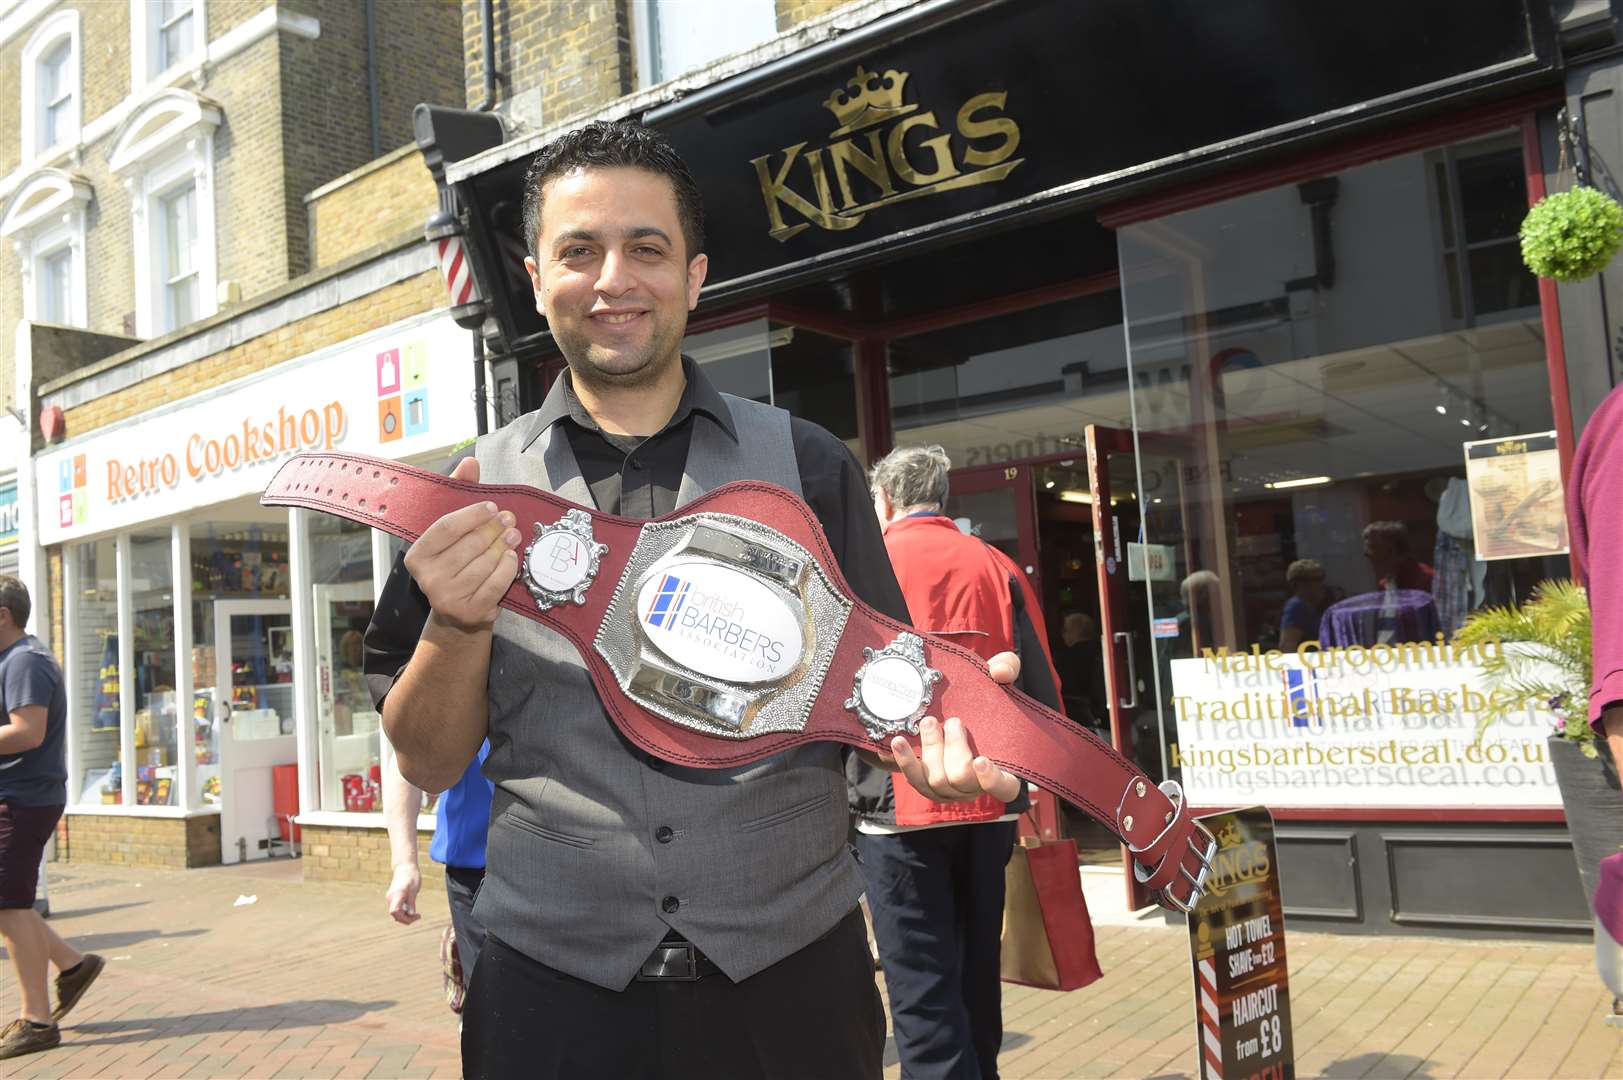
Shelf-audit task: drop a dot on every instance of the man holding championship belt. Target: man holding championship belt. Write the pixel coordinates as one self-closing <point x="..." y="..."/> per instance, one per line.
<point x="645" y="919"/>
<point x="701" y="605"/>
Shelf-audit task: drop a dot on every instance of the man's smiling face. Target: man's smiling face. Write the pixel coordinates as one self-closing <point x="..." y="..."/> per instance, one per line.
<point x="612" y="274"/>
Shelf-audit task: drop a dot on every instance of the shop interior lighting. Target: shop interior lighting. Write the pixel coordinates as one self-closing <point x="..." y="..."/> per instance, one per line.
<point x="1048" y="485"/>
<point x="1071" y="495"/>
<point x="1442" y="399"/>
<point x="1300" y="482"/>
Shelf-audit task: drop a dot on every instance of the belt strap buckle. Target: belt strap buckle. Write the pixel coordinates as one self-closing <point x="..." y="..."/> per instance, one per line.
<point x="671" y="961"/>
<point x="1197" y="882"/>
<point x="1206" y="852"/>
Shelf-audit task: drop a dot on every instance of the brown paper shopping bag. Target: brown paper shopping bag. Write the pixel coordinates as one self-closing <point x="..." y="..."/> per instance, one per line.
<point x="1047" y="935"/>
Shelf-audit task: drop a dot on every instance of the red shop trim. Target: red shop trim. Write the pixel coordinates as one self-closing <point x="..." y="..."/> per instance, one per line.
<point x="1346" y="155"/>
<point x="1555" y="346"/>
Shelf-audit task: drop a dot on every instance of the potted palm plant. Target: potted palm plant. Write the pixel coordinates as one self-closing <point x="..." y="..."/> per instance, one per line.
<point x="1553" y="664"/>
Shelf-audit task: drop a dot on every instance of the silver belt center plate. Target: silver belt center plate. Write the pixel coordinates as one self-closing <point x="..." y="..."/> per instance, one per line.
<point x="722" y="625"/>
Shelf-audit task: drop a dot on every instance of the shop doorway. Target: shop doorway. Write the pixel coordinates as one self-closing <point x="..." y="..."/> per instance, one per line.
<point x="254" y="721"/>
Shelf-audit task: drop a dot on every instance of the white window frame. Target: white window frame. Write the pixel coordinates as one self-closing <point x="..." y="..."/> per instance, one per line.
<point x="47" y="243"/>
<point x="50" y="34"/>
<point x="47" y="213"/>
<point x="155" y="150"/>
<point x="190" y="168"/>
<point x="645" y="42"/>
<point x="146" y="42"/>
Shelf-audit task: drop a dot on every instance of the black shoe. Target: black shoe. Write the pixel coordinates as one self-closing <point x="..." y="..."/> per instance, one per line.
<point x="71" y="987"/>
<point x="21" y="1037"/>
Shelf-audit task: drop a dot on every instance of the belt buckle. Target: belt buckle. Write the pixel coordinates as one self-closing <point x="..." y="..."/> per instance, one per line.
<point x="1197" y="882"/>
<point x="683" y="955"/>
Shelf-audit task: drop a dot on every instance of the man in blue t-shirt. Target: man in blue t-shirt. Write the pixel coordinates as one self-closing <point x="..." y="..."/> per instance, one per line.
<point x="33" y="791"/>
<point x="462" y="818"/>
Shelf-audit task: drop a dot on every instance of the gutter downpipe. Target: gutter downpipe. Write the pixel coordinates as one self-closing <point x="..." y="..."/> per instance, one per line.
<point x="487" y="31"/>
<point x="372" y="77"/>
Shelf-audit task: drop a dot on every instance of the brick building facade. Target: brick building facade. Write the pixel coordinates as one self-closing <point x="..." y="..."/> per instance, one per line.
<point x="259" y="155"/>
<point x="316" y="226"/>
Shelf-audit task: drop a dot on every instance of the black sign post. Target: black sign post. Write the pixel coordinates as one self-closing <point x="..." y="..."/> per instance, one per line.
<point x="1237" y="942"/>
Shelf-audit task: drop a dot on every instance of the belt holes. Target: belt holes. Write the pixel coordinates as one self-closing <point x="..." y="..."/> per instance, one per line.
<point x="393" y="480"/>
<point x="361" y="502"/>
<point x="382" y="509"/>
<point x="376" y="474"/>
<point x="344" y="496"/>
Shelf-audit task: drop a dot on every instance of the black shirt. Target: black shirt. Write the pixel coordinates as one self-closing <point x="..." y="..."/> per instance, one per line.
<point x="640" y="478"/>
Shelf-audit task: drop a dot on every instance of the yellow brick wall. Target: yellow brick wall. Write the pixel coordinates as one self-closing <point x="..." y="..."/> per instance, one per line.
<point x="577" y="51"/>
<point x="401" y="300"/>
<point x="251" y="238"/>
<point x="378" y="204"/>
<point x="791" y="13"/>
<point x="177" y="843"/>
<point x="340" y="853"/>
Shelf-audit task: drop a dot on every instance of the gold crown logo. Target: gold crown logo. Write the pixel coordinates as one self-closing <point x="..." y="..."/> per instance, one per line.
<point x="875" y="99"/>
<point x="1230" y="836"/>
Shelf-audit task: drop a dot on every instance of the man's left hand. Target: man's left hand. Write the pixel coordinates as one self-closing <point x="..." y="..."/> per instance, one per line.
<point x="945" y="769"/>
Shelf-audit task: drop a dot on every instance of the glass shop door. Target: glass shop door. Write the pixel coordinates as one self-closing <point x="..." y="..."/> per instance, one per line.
<point x="254" y="721"/>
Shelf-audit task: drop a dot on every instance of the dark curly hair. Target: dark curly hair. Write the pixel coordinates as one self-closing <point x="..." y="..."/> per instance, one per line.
<point x="615" y="144"/>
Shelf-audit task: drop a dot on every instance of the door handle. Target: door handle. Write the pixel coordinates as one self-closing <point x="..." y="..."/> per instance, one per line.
<point x="1130" y="702"/>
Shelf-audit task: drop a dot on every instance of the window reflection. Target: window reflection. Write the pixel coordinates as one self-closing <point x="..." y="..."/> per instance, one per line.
<point x="1309" y="364"/>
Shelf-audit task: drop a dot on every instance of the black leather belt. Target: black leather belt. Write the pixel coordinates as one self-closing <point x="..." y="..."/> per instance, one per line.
<point x="676" y="961"/>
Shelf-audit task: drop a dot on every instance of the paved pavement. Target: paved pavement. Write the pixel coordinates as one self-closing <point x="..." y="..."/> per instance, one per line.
<point x="313" y="980"/>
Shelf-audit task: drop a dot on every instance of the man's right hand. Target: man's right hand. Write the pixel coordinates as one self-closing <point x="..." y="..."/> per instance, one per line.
<point x="402" y="894"/>
<point x="465" y="561"/>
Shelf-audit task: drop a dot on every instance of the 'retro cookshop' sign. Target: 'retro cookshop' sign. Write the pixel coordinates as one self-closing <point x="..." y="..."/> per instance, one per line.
<point x="403" y="391"/>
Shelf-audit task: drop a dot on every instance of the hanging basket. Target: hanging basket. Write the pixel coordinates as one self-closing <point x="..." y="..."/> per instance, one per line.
<point x="1572" y="235"/>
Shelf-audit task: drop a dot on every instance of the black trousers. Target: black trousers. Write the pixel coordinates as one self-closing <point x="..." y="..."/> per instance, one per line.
<point x="937" y="901"/>
<point x="814" y="1015"/>
<point x="461" y="886"/>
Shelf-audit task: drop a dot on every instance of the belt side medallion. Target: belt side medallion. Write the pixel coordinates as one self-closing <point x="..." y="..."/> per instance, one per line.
<point x="561" y="563"/>
<point x="893" y="688"/>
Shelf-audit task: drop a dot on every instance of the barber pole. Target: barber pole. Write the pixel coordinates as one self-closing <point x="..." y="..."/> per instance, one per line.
<point x="454" y="268"/>
<point x="1211" y="1049"/>
<point x="444" y="232"/>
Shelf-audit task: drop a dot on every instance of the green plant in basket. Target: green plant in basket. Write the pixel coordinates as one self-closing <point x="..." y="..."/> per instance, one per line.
<point x="1552" y="663"/>
<point x="1571" y="235"/>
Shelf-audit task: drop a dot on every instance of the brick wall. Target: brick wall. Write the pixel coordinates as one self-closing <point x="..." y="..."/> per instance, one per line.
<point x="388" y="305"/>
<point x="346" y="853"/>
<point x="576" y="52"/>
<point x="378" y="202"/>
<point x="791" y="13"/>
<point x="178" y="843"/>
<point x="325" y="97"/>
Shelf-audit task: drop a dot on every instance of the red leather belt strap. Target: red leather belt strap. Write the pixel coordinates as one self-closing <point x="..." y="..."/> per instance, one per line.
<point x="1005" y="725"/>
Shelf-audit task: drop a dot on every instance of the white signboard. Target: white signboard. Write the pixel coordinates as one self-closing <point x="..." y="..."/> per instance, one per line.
<point x="1383" y="726"/>
<point x="402" y="391"/>
<point x="1151" y="562"/>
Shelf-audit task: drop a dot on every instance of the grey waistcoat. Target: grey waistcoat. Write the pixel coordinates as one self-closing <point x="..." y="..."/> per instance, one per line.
<point x="755" y="861"/>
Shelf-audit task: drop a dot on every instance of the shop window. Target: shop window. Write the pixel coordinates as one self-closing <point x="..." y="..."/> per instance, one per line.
<point x="671" y="38"/>
<point x="94" y="696"/>
<point x="1311" y="366"/>
<point x="811" y="375"/>
<point x="351" y="750"/>
<point x="1012" y="387"/>
<point x="152" y="610"/>
<point x="50" y="86"/>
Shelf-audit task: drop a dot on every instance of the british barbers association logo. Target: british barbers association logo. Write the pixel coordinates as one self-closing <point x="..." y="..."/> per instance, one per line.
<point x="720" y="622"/>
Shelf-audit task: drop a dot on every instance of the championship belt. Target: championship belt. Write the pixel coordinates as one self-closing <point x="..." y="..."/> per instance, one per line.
<point x="724" y="632"/>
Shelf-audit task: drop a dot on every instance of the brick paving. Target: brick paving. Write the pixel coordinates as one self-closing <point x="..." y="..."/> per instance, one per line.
<point x="313" y="980"/>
